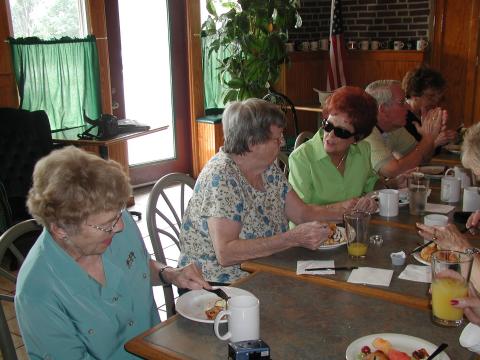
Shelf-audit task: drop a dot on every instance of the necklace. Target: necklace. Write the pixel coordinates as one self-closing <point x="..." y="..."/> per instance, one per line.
<point x="341" y="160"/>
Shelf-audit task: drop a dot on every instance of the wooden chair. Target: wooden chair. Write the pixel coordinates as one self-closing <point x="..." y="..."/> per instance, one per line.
<point x="282" y="162"/>
<point x="165" y="208"/>
<point x="7" y="243"/>
<point x="302" y="137"/>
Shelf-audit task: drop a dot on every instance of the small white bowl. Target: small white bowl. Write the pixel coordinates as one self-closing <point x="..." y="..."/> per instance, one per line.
<point x="470" y="338"/>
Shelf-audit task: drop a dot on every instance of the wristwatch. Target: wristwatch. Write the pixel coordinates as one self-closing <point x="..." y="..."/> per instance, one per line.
<point x="160" y="275"/>
<point x="472" y="251"/>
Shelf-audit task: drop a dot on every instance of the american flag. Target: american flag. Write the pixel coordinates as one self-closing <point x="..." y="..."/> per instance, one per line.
<point x="336" y="72"/>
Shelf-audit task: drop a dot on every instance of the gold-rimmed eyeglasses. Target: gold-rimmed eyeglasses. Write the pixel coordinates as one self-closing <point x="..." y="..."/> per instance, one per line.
<point x="112" y="225"/>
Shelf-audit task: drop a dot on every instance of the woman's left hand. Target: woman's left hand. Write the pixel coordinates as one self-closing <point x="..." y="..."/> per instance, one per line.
<point x="187" y="277"/>
<point x="447" y="237"/>
<point x="367" y="204"/>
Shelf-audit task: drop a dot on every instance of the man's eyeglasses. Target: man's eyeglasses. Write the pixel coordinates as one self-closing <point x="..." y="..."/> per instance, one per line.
<point x="400" y="102"/>
<point x="112" y="226"/>
<point x="339" y="132"/>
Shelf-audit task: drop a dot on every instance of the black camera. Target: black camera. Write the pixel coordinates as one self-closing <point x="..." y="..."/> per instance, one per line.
<point x="248" y="350"/>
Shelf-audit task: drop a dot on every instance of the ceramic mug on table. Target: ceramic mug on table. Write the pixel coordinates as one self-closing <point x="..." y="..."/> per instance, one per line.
<point x="471" y="198"/>
<point x="388" y="202"/>
<point x="450" y="189"/>
<point x="398" y="45"/>
<point x="461" y="173"/>
<point x="243" y="313"/>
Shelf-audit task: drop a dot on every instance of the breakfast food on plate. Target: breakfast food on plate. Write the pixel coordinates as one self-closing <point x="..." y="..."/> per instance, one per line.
<point x="335" y="236"/>
<point x="212" y="312"/>
<point x="385" y="351"/>
<point x="426" y="253"/>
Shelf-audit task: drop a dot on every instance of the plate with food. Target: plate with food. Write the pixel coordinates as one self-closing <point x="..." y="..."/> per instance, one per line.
<point x="433" y="171"/>
<point x="424" y="256"/>
<point x="203" y="306"/>
<point x="453" y="148"/>
<point x="386" y="346"/>
<point x="336" y="239"/>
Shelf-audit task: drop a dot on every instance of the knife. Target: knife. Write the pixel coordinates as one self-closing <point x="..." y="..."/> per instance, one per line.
<point x="442" y="347"/>
<point x="332" y="268"/>
<point x="418" y="248"/>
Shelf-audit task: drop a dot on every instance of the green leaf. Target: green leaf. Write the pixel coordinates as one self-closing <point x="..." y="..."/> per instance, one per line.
<point x="211" y="8"/>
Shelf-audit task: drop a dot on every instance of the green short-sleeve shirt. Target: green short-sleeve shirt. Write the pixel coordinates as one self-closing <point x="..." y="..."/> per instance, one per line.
<point x="388" y="145"/>
<point x="63" y="313"/>
<point x="316" y="180"/>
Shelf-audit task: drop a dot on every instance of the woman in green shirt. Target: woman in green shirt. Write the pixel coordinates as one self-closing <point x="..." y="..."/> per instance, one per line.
<point x="333" y="168"/>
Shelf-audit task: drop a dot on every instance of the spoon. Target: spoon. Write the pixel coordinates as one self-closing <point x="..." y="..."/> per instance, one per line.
<point x="442" y="347"/>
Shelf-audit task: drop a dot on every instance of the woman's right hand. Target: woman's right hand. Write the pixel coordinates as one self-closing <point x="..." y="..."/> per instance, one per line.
<point x="470" y="305"/>
<point x="310" y="235"/>
<point x="447" y="237"/>
<point x="473" y="221"/>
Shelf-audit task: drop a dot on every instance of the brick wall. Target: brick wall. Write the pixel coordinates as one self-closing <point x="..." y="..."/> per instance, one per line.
<point x="366" y="19"/>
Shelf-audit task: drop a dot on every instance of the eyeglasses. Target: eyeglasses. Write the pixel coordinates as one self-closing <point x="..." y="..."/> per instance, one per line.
<point x="339" y="132"/>
<point x="112" y="226"/>
<point x="400" y="102"/>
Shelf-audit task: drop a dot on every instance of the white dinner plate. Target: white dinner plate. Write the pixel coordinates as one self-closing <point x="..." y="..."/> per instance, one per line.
<point x="433" y="172"/>
<point x="454" y="149"/>
<point x="343" y="240"/>
<point x="417" y="257"/>
<point x="400" y="342"/>
<point x="193" y="304"/>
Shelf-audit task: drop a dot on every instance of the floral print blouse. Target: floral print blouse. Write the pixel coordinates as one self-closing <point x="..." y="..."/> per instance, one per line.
<point x="222" y="191"/>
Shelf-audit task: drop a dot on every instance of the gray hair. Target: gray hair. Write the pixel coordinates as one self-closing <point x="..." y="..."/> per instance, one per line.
<point x="248" y="122"/>
<point x="471" y="148"/>
<point x="381" y="90"/>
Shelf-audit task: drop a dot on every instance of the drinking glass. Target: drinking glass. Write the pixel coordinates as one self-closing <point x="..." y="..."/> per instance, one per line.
<point x="450" y="276"/>
<point x="356" y="228"/>
<point x="418" y="186"/>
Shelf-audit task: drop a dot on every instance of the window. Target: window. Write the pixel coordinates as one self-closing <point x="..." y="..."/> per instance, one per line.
<point x="48" y="19"/>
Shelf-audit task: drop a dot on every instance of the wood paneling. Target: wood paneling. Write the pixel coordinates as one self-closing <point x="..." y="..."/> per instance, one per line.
<point x="210" y="136"/>
<point x="455" y="54"/>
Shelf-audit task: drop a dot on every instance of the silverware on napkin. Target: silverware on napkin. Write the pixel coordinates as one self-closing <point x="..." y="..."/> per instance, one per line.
<point x="418" y="248"/>
<point x="332" y="268"/>
<point x="220" y="293"/>
<point x="442" y="347"/>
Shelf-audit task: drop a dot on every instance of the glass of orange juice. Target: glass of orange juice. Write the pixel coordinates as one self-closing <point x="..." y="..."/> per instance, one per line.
<point x="356" y="229"/>
<point x="450" y="276"/>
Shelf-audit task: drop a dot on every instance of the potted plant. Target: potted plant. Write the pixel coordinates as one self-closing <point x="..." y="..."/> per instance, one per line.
<point x="253" y="33"/>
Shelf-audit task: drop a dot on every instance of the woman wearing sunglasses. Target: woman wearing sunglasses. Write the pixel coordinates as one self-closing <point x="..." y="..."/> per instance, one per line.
<point x="333" y="168"/>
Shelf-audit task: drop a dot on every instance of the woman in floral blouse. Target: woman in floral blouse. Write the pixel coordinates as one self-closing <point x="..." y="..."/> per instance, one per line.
<point x="242" y="201"/>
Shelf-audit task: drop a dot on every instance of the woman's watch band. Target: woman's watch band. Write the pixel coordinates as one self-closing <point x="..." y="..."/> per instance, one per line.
<point x="472" y="251"/>
<point x="160" y="275"/>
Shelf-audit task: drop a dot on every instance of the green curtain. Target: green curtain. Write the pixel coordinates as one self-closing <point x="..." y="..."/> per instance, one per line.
<point x="211" y="77"/>
<point x="59" y="76"/>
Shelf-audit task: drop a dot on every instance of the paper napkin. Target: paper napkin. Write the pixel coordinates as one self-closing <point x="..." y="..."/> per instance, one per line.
<point x="420" y="273"/>
<point x="302" y="265"/>
<point x="439" y="208"/>
<point x="371" y="276"/>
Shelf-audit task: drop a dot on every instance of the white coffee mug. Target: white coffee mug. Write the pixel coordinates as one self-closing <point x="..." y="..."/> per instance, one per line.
<point x="461" y="173"/>
<point x="324" y="44"/>
<point x="375" y="45"/>
<point x="435" y="220"/>
<point x="422" y="44"/>
<point x="364" y="45"/>
<point x="351" y="45"/>
<point x="314" y="45"/>
<point x="243" y="314"/>
<point x="305" y="46"/>
<point x="471" y="198"/>
<point x="388" y="202"/>
<point x="398" y="45"/>
<point x="450" y="189"/>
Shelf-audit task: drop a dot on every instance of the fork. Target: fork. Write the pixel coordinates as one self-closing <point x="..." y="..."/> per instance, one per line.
<point x="220" y="293"/>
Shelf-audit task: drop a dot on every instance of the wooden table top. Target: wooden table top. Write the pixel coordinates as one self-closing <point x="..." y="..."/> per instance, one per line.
<point x="299" y="320"/>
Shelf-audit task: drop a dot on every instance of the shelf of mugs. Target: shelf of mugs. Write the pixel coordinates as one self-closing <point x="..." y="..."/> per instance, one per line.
<point x="364" y="45"/>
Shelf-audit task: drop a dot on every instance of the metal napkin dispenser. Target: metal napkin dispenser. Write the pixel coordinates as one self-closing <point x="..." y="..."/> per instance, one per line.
<point x="248" y="350"/>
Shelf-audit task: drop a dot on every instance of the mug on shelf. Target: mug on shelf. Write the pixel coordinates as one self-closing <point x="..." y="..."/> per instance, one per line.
<point x="364" y="44"/>
<point x="398" y="45"/>
<point x="314" y="45"/>
<point x="375" y="45"/>
<point x="352" y="45"/>
<point x="422" y="44"/>
<point x="289" y="47"/>
<point x="324" y="44"/>
<point x="305" y="46"/>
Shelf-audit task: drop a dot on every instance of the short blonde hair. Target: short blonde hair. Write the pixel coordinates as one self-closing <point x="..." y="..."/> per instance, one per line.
<point x="471" y="148"/>
<point x="71" y="184"/>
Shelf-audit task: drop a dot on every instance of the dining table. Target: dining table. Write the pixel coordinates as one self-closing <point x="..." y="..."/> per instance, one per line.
<point x="320" y="316"/>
